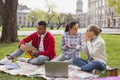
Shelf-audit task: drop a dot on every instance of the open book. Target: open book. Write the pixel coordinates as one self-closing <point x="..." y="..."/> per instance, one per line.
<point x="28" y="48"/>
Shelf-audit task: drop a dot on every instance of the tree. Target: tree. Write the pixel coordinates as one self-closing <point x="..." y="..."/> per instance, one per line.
<point x="114" y="10"/>
<point x="61" y="20"/>
<point x="8" y="12"/>
<point x="69" y="17"/>
<point x="35" y="16"/>
<point x="115" y="4"/>
<point x="50" y="11"/>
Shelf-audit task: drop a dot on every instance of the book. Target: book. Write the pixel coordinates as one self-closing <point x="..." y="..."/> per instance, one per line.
<point x="28" y="48"/>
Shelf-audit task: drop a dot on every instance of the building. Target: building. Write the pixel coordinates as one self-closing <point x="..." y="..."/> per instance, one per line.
<point x="22" y="13"/>
<point x="79" y="7"/>
<point x="98" y="13"/>
<point x="102" y="15"/>
<point x="79" y="11"/>
<point x="80" y="15"/>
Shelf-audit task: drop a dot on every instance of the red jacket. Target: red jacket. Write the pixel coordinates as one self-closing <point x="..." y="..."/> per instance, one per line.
<point x="49" y="44"/>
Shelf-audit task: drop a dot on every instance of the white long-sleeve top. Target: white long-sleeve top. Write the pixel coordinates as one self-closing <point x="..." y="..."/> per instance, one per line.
<point x="96" y="49"/>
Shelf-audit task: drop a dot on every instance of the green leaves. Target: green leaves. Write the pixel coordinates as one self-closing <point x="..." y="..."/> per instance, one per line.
<point x="115" y="4"/>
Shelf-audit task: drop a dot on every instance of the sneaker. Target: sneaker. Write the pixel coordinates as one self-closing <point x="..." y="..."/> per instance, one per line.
<point x="23" y="59"/>
<point x="5" y="60"/>
<point x="96" y="71"/>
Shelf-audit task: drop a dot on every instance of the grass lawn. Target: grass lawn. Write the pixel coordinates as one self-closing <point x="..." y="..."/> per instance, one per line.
<point x="112" y="45"/>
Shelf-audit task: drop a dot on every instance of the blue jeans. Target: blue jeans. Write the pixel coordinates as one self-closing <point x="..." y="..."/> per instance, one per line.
<point x="37" y="60"/>
<point x="63" y="58"/>
<point x="89" y="67"/>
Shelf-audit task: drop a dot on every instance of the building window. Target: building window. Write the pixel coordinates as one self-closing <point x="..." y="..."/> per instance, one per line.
<point x="24" y="18"/>
<point x="20" y="17"/>
<point x="19" y="22"/>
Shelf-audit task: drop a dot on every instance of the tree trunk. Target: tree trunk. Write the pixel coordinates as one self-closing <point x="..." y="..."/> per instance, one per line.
<point x="9" y="21"/>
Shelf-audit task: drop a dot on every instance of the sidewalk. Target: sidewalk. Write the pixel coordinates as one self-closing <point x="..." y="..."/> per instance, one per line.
<point x="58" y="32"/>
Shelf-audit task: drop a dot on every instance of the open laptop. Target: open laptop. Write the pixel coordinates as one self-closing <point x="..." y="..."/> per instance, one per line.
<point x="56" y="69"/>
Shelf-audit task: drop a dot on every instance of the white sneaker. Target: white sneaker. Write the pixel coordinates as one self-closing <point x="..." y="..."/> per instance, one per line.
<point x="5" y="60"/>
<point x="23" y="59"/>
<point x="96" y="71"/>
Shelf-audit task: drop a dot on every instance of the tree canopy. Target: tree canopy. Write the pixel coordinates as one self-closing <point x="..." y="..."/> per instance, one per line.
<point x="115" y="4"/>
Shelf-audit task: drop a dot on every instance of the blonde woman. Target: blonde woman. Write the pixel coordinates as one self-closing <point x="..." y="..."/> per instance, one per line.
<point x="95" y="50"/>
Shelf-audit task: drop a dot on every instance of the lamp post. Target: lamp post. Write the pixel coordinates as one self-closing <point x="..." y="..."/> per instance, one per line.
<point x="80" y="24"/>
<point x="32" y="21"/>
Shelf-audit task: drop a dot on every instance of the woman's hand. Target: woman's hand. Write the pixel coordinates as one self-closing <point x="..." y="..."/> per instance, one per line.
<point x="78" y="47"/>
<point x="86" y="38"/>
<point x="68" y="45"/>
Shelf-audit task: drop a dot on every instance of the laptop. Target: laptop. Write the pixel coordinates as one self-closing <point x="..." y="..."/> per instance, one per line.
<point x="56" y="69"/>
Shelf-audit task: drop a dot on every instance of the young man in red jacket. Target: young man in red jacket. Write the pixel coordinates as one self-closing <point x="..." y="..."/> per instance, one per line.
<point x="44" y="43"/>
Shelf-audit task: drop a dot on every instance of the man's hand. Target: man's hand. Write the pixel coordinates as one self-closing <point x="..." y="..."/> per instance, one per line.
<point x="35" y="53"/>
<point x="21" y="46"/>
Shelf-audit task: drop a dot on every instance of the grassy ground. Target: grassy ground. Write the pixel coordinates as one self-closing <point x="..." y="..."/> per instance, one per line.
<point x="112" y="45"/>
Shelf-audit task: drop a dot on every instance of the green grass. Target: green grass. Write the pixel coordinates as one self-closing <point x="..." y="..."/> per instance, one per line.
<point x="113" y="50"/>
<point x="5" y="76"/>
<point x="112" y="46"/>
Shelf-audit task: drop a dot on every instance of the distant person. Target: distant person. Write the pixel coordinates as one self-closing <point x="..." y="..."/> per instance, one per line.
<point x="95" y="50"/>
<point x="44" y="43"/>
<point x="72" y="43"/>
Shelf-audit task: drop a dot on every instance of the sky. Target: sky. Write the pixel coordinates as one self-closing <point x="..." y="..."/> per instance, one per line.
<point x="67" y="6"/>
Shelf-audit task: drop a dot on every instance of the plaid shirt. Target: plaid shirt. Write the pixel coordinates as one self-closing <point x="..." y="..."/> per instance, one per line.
<point x="73" y="41"/>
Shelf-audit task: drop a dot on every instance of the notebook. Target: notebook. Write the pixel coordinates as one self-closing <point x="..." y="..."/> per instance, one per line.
<point x="28" y="48"/>
<point x="56" y="69"/>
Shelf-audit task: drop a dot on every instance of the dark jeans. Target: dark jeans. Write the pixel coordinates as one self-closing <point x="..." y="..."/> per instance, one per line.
<point x="89" y="67"/>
